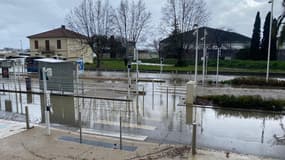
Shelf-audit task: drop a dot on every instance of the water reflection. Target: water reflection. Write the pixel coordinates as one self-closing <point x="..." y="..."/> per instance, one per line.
<point x="247" y="114"/>
<point x="158" y="115"/>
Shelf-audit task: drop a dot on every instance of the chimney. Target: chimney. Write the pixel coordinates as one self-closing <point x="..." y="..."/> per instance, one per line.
<point x="63" y="26"/>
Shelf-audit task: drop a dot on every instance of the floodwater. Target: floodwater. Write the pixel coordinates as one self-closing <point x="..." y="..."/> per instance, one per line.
<point x="161" y="116"/>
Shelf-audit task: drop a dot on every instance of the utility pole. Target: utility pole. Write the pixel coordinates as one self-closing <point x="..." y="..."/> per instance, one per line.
<point x="269" y="43"/>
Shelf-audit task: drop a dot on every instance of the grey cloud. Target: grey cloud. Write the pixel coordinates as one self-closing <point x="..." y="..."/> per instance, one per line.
<point x="20" y="18"/>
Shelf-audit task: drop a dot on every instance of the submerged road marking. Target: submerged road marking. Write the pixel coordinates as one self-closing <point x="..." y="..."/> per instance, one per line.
<point x="114" y="134"/>
<point x="9" y="128"/>
<point x="96" y="143"/>
<point x="127" y="125"/>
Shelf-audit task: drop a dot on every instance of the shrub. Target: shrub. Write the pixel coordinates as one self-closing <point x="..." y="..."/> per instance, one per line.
<point x="255" y="81"/>
<point x="245" y="102"/>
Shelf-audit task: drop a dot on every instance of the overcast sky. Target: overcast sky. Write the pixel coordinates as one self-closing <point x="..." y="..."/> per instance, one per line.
<point x="21" y="18"/>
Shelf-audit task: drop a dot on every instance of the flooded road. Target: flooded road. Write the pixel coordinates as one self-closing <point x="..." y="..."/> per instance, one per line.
<point x="159" y="116"/>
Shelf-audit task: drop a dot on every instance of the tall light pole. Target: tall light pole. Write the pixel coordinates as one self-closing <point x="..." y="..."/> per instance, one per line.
<point x="218" y="63"/>
<point x="197" y="47"/>
<point x="204" y="56"/>
<point x="136" y="53"/>
<point x="269" y="43"/>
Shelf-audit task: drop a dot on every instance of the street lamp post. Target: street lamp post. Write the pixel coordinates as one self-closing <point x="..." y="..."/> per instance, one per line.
<point x="136" y="54"/>
<point x="196" y="54"/>
<point x="218" y="63"/>
<point x="204" y="56"/>
<point x="269" y="43"/>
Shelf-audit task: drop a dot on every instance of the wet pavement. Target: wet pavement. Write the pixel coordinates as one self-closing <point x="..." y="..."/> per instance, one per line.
<point x="35" y="144"/>
<point x="160" y="117"/>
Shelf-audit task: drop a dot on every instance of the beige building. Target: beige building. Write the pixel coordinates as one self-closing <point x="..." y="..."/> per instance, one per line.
<point x="60" y="43"/>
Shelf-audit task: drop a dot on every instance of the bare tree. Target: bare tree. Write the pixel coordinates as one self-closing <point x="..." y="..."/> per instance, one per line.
<point x="92" y="19"/>
<point x="281" y="26"/>
<point x="154" y="44"/>
<point x="131" y="20"/>
<point x="179" y="16"/>
<point x="183" y="14"/>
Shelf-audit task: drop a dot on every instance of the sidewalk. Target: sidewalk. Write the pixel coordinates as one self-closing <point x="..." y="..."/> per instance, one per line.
<point x="35" y="144"/>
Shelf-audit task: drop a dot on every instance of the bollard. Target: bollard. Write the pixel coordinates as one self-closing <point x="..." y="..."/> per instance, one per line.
<point x="27" y="118"/>
<point x="194" y="139"/>
<point x="80" y="127"/>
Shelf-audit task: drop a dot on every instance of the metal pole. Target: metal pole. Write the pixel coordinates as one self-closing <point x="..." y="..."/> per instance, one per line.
<point x="174" y="87"/>
<point x="218" y="61"/>
<point x="27" y="118"/>
<point x="194" y="139"/>
<point x="167" y="97"/>
<point x="137" y="69"/>
<point x="80" y="126"/>
<point x="143" y="100"/>
<point x="269" y="43"/>
<point x="82" y="94"/>
<point x="206" y="68"/>
<point x="204" y="56"/>
<point x="77" y="85"/>
<point x="152" y="95"/>
<point x="47" y="118"/>
<point x="20" y="94"/>
<point x="196" y="55"/>
<point x="121" y="145"/>
<point x="15" y="83"/>
<point x="161" y="67"/>
<point x="129" y="83"/>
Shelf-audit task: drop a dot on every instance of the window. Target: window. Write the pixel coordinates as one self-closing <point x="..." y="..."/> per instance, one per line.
<point x="47" y="45"/>
<point x="58" y="44"/>
<point x="36" y="44"/>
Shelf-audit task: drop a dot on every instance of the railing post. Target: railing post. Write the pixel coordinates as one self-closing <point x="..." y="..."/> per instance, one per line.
<point x="121" y="145"/>
<point x="80" y="126"/>
<point x="27" y="118"/>
<point x="194" y="139"/>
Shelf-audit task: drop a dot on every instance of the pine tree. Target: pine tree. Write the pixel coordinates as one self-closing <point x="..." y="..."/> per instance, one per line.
<point x="255" y="41"/>
<point x="265" y="40"/>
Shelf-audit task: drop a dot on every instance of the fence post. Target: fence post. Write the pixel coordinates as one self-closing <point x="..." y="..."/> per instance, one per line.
<point x="121" y="145"/>
<point x="194" y="138"/>
<point x="27" y="117"/>
<point x="80" y="126"/>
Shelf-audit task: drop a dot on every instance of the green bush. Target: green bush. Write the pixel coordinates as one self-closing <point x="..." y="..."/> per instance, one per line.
<point x="244" y="102"/>
<point x="255" y="81"/>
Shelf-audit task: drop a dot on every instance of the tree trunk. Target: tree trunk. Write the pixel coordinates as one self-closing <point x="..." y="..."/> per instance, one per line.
<point x="98" y="60"/>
